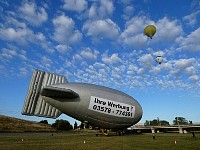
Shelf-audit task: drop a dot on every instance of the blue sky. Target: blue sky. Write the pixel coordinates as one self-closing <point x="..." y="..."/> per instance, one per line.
<point x="102" y="42"/>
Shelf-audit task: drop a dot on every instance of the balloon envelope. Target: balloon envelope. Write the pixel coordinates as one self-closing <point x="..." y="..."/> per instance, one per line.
<point x="150" y="30"/>
<point x="159" y="59"/>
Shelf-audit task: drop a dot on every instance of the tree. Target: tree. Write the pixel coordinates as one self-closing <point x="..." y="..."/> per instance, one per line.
<point x="156" y="122"/>
<point x="163" y="123"/>
<point x="62" y="125"/>
<point x="180" y="121"/>
<point x="44" y="122"/>
<point x="82" y="125"/>
<point x="147" y="123"/>
<point x="190" y="122"/>
<point x="75" y="125"/>
<point x="70" y="127"/>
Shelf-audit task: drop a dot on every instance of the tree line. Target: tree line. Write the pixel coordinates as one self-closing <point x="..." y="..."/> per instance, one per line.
<point x="65" y="125"/>
<point x="61" y="124"/>
<point x="176" y="121"/>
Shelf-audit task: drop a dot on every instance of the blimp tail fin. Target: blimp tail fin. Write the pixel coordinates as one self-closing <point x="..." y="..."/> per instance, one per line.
<point x="34" y="105"/>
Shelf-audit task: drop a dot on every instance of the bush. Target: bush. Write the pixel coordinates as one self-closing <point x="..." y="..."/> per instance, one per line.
<point x="62" y="125"/>
<point x="44" y="122"/>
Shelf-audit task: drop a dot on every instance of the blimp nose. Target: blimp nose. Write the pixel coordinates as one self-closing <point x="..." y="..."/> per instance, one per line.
<point x="138" y="113"/>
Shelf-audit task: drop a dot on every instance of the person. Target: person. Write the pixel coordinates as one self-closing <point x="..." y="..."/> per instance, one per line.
<point x="193" y="135"/>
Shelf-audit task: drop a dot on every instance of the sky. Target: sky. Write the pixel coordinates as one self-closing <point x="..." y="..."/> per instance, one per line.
<point x="102" y="42"/>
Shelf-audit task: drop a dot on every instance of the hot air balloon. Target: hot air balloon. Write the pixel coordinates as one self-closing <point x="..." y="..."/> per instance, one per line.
<point x="150" y="30"/>
<point x="159" y="59"/>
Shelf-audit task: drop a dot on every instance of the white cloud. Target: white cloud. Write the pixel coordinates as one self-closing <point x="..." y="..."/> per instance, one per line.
<point x="167" y="30"/>
<point x="102" y="72"/>
<point x="190" y="70"/>
<point x="132" y="67"/>
<point x="17" y="31"/>
<point x="191" y="42"/>
<point x="141" y="71"/>
<point x="192" y="18"/>
<point x="155" y="70"/>
<point x="166" y="66"/>
<point x="128" y="10"/>
<point x="100" y="29"/>
<point x="146" y="61"/>
<point x="101" y="9"/>
<point x="16" y="35"/>
<point x="135" y="25"/>
<point x="106" y="7"/>
<point x="23" y="71"/>
<point x="32" y="13"/>
<point x="75" y="5"/>
<point x="99" y="65"/>
<point x="23" y="36"/>
<point x="183" y="66"/>
<point x="135" y="41"/>
<point x="184" y="63"/>
<point x="116" y="77"/>
<point x="40" y="37"/>
<point x="89" y="54"/>
<point x="133" y="33"/>
<point x="65" y="33"/>
<point x="46" y="62"/>
<point x="112" y="59"/>
<point x="22" y="55"/>
<point x="77" y="58"/>
<point x="62" y="48"/>
<point x="159" y="53"/>
<point x="92" y="11"/>
<point x="15" y="22"/>
<point x="7" y="54"/>
<point x="194" y="78"/>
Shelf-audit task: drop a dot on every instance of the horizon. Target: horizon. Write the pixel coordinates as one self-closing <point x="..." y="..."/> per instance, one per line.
<point x="137" y="124"/>
<point x="102" y="43"/>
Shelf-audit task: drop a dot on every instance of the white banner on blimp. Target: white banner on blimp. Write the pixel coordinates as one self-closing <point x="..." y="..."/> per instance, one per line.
<point x="112" y="108"/>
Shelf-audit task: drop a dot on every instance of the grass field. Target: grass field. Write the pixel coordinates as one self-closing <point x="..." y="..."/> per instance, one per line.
<point x="10" y="124"/>
<point x="76" y="142"/>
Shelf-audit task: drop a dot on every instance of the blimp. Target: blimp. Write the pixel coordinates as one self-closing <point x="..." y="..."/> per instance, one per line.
<point x="50" y="95"/>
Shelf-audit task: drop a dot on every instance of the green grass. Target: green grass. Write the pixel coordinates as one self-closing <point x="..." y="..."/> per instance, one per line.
<point x="10" y="124"/>
<point x="76" y="142"/>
